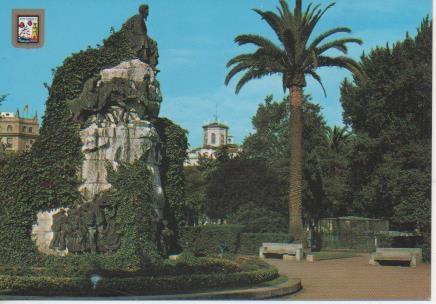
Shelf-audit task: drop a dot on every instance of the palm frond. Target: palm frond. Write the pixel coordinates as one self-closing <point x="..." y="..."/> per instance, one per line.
<point x="254" y="39"/>
<point x="240" y="58"/>
<point x="308" y="29"/>
<point x="341" y="62"/>
<point x="235" y="70"/>
<point x="338" y="44"/>
<point x="250" y="75"/>
<point x="297" y="11"/>
<point x="272" y="19"/>
<point x="327" y="34"/>
<point x="318" y="79"/>
<point x="267" y="45"/>
<point x="310" y="12"/>
<point x="290" y="44"/>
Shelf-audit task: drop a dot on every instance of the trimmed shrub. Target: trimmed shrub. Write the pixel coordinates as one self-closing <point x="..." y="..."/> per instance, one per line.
<point x="44" y="285"/>
<point x="87" y="264"/>
<point x="206" y="240"/>
<point x="174" y="268"/>
<point x="185" y="283"/>
<point x="251" y="263"/>
<point x="249" y="243"/>
<point x="113" y="284"/>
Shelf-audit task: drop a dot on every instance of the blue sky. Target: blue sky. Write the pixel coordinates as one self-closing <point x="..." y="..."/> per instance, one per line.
<point x="195" y="39"/>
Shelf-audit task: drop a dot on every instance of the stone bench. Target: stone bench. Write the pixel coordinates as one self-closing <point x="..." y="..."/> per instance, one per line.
<point x="411" y="255"/>
<point x="287" y="250"/>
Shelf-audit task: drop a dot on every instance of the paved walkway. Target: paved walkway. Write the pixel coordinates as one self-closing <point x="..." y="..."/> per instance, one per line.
<point x="354" y="278"/>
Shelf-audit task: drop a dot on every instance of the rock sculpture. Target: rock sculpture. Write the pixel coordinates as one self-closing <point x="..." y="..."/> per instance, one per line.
<point x="89" y="227"/>
<point x="58" y="228"/>
<point x="125" y="92"/>
<point x="116" y="110"/>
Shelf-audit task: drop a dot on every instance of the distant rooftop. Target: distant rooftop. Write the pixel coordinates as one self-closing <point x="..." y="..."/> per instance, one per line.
<point x="215" y="124"/>
<point x="7" y="114"/>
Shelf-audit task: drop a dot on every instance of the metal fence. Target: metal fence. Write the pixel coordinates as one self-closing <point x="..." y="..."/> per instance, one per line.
<point x="350" y="233"/>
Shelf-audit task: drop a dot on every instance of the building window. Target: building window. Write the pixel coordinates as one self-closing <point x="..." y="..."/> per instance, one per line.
<point x="24" y="129"/>
<point x="30" y="129"/>
<point x="213" y="139"/>
<point x="222" y="140"/>
<point x="9" y="128"/>
<point x="9" y="142"/>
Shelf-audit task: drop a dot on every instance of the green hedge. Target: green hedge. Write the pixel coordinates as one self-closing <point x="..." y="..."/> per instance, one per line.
<point x="250" y="242"/>
<point x="170" y="268"/>
<point x="44" y="285"/>
<point x="84" y="265"/>
<point x="205" y="240"/>
<point x="185" y="283"/>
<point x="257" y="272"/>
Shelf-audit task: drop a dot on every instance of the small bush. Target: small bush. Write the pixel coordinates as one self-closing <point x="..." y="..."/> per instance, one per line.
<point x="251" y="263"/>
<point x="206" y="240"/>
<point x="249" y="243"/>
<point x="257" y="219"/>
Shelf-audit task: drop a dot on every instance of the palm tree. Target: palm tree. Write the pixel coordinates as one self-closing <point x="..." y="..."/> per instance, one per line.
<point x="295" y="57"/>
<point x="337" y="137"/>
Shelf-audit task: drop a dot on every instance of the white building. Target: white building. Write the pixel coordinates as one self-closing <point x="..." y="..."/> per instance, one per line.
<point x="216" y="134"/>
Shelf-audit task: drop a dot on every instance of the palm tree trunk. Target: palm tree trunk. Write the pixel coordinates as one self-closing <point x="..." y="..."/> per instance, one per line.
<point x="295" y="170"/>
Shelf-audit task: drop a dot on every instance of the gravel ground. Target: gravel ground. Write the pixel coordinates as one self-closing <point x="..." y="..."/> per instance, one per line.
<point x="354" y="279"/>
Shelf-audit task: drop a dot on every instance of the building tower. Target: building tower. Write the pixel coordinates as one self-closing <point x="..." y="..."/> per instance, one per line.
<point x="18" y="134"/>
<point x="216" y="134"/>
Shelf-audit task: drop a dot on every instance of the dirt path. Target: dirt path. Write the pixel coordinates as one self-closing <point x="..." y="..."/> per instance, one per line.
<point x="354" y="278"/>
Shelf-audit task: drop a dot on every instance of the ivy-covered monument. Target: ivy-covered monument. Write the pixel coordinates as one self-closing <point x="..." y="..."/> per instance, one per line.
<point x="106" y="175"/>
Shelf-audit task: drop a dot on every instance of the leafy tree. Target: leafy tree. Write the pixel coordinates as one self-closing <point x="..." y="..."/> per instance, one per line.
<point x="390" y="114"/>
<point x="296" y="57"/>
<point x="257" y="219"/>
<point x="195" y="194"/>
<point x="237" y="182"/>
<point x="270" y="142"/>
<point x="337" y="137"/>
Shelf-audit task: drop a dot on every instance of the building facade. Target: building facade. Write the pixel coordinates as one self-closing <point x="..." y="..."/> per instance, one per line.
<point x="18" y="134"/>
<point x="215" y="135"/>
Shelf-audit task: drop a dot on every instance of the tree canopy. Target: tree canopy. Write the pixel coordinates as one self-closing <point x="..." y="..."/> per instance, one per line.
<point x="390" y="114"/>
